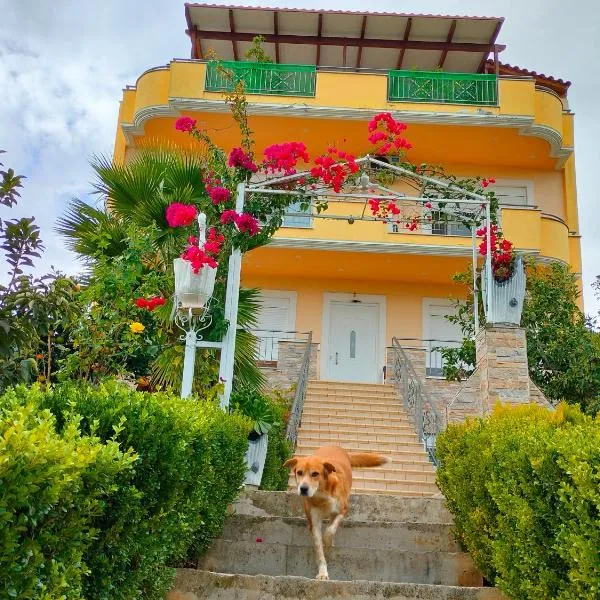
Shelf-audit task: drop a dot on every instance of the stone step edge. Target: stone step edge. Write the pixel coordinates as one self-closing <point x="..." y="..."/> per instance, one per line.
<point x="191" y="580"/>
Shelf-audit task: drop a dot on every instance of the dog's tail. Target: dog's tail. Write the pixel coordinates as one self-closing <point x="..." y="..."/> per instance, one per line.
<point x="367" y="459"/>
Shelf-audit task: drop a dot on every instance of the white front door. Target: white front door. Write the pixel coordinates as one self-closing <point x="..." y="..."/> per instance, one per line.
<point x="353" y="342"/>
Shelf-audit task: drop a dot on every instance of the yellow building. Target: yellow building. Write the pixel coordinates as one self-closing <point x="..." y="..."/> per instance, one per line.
<point x="358" y="285"/>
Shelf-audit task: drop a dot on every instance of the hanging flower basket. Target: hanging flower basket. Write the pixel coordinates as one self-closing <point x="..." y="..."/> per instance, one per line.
<point x="505" y="300"/>
<point x="193" y="291"/>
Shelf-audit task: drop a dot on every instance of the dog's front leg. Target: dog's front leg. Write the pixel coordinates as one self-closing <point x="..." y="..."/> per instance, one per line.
<point x="317" y="533"/>
<point x="330" y="531"/>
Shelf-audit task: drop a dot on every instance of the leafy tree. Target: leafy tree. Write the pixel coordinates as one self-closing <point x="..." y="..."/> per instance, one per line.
<point x="563" y="354"/>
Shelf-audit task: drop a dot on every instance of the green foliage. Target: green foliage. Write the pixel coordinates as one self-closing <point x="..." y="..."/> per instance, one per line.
<point x="258" y="407"/>
<point x="275" y="477"/>
<point x="563" y="354"/>
<point x="53" y="488"/>
<point x="257" y="52"/>
<point x="9" y="186"/>
<point x="524" y="489"/>
<point x="189" y="467"/>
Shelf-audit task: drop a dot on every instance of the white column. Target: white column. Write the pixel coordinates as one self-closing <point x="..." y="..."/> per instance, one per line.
<point x="188" y="363"/>
<point x="488" y="258"/>
<point x="231" y="310"/>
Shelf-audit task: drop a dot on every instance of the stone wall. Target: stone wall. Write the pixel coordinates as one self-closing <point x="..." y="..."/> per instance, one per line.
<point x="285" y="373"/>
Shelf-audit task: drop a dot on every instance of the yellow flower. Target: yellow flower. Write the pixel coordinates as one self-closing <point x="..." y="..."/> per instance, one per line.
<point x="136" y="327"/>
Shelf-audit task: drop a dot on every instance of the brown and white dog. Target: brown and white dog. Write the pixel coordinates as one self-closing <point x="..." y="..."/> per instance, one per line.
<point x="324" y="481"/>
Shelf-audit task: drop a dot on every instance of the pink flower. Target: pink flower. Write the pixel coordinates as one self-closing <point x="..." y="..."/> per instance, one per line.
<point x="219" y="194"/>
<point x="229" y="216"/>
<point x="185" y="124"/>
<point x="180" y="215"/>
<point x="239" y="159"/>
<point x="428" y="205"/>
<point x="247" y="223"/>
<point x="284" y="157"/>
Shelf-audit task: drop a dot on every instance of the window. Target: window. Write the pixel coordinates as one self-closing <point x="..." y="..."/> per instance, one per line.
<point x="442" y="225"/>
<point x="514" y="195"/>
<point x="297" y="220"/>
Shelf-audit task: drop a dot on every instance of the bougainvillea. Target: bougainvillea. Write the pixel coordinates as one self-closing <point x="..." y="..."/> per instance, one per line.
<point x="239" y="159"/>
<point x="219" y="194"/>
<point x="284" y="157"/>
<point x="334" y="167"/>
<point x="385" y="134"/>
<point x="502" y="252"/>
<point x="185" y="124"/>
<point x="181" y="215"/>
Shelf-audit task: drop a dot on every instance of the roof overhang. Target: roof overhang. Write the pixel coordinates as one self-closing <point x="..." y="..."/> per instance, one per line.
<point x="344" y="39"/>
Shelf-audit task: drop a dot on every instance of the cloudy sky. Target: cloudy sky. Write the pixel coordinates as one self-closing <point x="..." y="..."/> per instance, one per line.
<point x="63" y="64"/>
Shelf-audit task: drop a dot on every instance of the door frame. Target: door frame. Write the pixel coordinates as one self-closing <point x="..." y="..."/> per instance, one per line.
<point x="348" y="297"/>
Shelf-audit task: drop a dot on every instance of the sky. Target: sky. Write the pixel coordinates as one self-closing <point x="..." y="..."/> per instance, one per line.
<point x="64" y="63"/>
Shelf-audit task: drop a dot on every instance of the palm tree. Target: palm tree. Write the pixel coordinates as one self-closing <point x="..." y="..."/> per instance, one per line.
<point x="137" y="195"/>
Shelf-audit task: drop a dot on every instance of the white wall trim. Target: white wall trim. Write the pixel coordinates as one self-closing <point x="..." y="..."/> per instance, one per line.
<point x="328" y="298"/>
<point x="525" y="124"/>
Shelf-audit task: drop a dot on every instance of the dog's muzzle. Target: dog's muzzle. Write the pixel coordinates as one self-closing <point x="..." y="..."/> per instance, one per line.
<point x="303" y="490"/>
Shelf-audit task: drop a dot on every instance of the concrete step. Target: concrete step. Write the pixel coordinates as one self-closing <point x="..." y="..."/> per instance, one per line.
<point x="339" y="437"/>
<point x="401" y="451"/>
<point x="381" y="535"/>
<point x="355" y="403"/>
<point x="323" y="383"/>
<point x="419" y="494"/>
<point x="375" y="413"/>
<point x="192" y="584"/>
<point x="344" y="564"/>
<point x="396" y="474"/>
<point x="392" y="487"/>
<point x="351" y="395"/>
<point x="362" y="508"/>
<point x="322" y="419"/>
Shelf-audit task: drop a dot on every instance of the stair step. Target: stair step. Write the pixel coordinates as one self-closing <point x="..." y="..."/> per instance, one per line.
<point x="358" y="435"/>
<point x="382" y="535"/>
<point x="308" y="446"/>
<point x="375" y="413"/>
<point x="350" y="395"/>
<point x="362" y="508"/>
<point x="324" y="383"/>
<point x="323" y="418"/>
<point x="332" y="402"/>
<point x="192" y="584"/>
<point x="346" y="564"/>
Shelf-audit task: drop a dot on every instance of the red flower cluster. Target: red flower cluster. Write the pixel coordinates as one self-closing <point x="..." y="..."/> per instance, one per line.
<point x="219" y="194"/>
<point x="239" y="159"/>
<point x="382" y="208"/>
<point x="245" y="222"/>
<point x="180" y="215"/>
<point x="199" y="257"/>
<point x="502" y="252"/>
<point x="284" y="157"/>
<point x="333" y="172"/>
<point x="185" y="124"/>
<point x="384" y="128"/>
<point x="151" y="303"/>
<point x="487" y="182"/>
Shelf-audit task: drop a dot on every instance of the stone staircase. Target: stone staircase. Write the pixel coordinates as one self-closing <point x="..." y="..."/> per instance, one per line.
<point x="367" y="417"/>
<point x="391" y="547"/>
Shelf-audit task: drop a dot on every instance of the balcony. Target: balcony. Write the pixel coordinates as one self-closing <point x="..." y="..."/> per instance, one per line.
<point x="442" y="88"/>
<point x="262" y="78"/>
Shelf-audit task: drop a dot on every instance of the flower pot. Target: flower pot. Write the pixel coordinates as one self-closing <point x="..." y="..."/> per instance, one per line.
<point x="255" y="459"/>
<point x="505" y="302"/>
<point x="193" y="290"/>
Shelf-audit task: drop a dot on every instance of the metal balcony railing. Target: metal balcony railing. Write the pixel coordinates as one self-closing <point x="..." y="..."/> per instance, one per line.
<point x="442" y="88"/>
<point x="262" y="78"/>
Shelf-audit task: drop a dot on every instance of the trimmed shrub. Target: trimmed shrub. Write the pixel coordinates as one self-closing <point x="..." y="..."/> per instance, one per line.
<point x="52" y="488"/>
<point x="275" y="477"/>
<point x="524" y="488"/>
<point x="189" y="467"/>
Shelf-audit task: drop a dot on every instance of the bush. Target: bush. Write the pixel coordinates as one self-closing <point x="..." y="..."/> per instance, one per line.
<point x="530" y="512"/>
<point x="52" y="488"/>
<point x="189" y="467"/>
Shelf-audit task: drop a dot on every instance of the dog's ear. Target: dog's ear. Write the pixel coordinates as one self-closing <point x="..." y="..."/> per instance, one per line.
<point x="329" y="468"/>
<point x="290" y="463"/>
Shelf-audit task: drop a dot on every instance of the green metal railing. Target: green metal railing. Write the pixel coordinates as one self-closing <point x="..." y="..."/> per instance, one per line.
<point x="262" y="78"/>
<point x="439" y="87"/>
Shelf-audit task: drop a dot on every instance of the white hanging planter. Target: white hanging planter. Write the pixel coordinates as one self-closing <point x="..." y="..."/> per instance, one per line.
<point x="504" y="303"/>
<point x="194" y="290"/>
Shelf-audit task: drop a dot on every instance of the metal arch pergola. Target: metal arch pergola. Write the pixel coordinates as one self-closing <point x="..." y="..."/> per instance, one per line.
<point x="367" y="190"/>
<point x="477" y="206"/>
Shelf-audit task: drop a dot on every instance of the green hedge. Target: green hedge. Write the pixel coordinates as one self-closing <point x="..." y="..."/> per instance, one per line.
<point x="524" y="488"/>
<point x="189" y="465"/>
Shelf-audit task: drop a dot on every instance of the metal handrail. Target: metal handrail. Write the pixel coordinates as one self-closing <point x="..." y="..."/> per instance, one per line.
<point x="427" y="420"/>
<point x="298" y="405"/>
